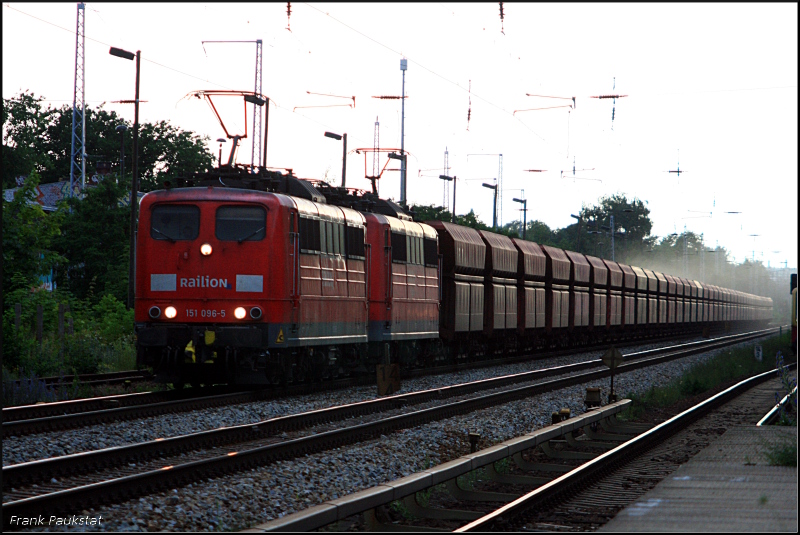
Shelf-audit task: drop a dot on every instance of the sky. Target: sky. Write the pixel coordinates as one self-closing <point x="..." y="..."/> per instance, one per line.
<point x="709" y="88"/>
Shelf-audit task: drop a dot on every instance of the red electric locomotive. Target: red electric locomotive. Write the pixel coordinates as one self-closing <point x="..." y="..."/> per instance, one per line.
<point x="259" y="280"/>
<point x="245" y="285"/>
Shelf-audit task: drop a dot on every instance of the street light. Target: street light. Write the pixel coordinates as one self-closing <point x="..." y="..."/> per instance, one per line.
<point x="580" y="221"/>
<point x="134" y="179"/>
<point x="524" y="203"/>
<point x="629" y="210"/>
<point x="448" y="179"/>
<point x="121" y="128"/>
<point x="403" y="67"/>
<point x="344" y="152"/>
<point x="221" y="141"/>
<point x="494" y="206"/>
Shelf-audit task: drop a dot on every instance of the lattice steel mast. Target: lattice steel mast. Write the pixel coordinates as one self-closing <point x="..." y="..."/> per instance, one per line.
<point x="78" y="150"/>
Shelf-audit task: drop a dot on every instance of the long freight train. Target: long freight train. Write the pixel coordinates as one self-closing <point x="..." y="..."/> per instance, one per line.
<point x="267" y="278"/>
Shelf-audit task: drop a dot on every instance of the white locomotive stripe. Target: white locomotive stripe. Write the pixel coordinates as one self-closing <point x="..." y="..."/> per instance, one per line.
<point x="163" y="282"/>
<point x="249" y="283"/>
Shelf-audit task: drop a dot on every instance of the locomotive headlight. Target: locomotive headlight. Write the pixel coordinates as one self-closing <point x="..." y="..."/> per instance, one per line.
<point x="170" y="312"/>
<point x="255" y="313"/>
<point x="240" y="313"/>
<point x="205" y="249"/>
<point x="154" y="312"/>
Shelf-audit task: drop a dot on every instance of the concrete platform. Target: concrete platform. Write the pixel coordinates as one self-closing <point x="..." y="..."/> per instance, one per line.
<point x="727" y="487"/>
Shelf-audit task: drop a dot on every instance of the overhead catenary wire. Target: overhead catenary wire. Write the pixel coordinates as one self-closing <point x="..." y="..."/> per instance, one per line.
<point x="422" y="67"/>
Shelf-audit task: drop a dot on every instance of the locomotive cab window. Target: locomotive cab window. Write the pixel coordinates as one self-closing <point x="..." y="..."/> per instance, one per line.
<point x="241" y="223"/>
<point x="174" y="222"/>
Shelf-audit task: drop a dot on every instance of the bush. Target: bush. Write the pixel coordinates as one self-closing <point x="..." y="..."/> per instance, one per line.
<point x="113" y="320"/>
<point x="103" y="337"/>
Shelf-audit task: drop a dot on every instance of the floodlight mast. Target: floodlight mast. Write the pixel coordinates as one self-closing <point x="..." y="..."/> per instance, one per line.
<point x="403" y="67"/>
<point x="120" y="53"/>
<point x="524" y="203"/>
<point x="453" y="179"/>
<point x="494" y="206"/>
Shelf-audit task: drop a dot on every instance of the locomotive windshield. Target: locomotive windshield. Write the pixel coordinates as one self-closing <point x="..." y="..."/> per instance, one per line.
<point x="174" y="222"/>
<point x="241" y="223"/>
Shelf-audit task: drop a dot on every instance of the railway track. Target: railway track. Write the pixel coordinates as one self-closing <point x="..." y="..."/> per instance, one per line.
<point x="591" y="494"/>
<point x="91" y="379"/>
<point x="582" y="472"/>
<point x="79" y="413"/>
<point x="77" y="482"/>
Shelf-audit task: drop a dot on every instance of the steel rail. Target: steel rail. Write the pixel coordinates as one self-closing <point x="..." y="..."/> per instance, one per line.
<point x="611" y="460"/>
<point x="779" y="407"/>
<point x="169" y="476"/>
<point x="38" y="470"/>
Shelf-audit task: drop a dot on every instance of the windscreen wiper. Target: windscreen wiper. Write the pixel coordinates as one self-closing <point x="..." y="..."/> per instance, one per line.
<point x="252" y="234"/>
<point x="170" y="238"/>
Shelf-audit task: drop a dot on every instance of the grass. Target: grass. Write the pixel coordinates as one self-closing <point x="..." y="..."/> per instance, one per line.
<point x="783" y="453"/>
<point x="724" y="367"/>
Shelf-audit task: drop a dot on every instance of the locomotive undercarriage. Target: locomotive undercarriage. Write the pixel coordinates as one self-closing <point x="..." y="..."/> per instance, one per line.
<point x="188" y="363"/>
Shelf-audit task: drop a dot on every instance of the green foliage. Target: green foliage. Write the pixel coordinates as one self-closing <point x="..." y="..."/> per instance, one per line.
<point x="784" y="453"/>
<point x="40" y="139"/>
<point x="95" y="239"/>
<point x="431" y="212"/>
<point x="723" y="367"/>
<point x="167" y="152"/>
<point x="102" y="341"/>
<point x="113" y="320"/>
<point x="632" y="226"/>
<point x="28" y="235"/>
<point x="24" y="126"/>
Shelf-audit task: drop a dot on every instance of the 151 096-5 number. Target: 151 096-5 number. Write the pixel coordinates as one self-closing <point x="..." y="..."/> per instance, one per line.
<point x="204" y="313"/>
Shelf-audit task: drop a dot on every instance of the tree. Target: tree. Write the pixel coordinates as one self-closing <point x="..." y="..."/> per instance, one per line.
<point x="632" y="226"/>
<point x="42" y="139"/>
<point x="28" y="236"/>
<point x="95" y="238"/>
<point x="438" y="213"/>
<point x="535" y="231"/>
<point x="24" y="126"/>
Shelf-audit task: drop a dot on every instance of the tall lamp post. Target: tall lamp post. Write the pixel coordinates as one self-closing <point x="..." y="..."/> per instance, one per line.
<point x="121" y="128"/>
<point x="135" y="178"/>
<point x="612" y="232"/>
<point x="494" y="206"/>
<point x="524" y="203"/>
<point x="344" y="152"/>
<point x="448" y="179"/>
<point x="403" y="67"/>
<point x="580" y="221"/>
